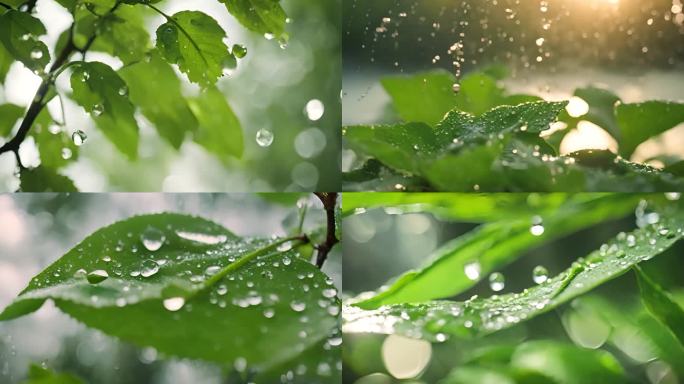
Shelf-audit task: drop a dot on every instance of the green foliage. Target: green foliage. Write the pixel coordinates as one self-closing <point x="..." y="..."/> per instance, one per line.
<point x="484" y="140"/>
<point x="219" y="129"/>
<point x="191" y="288"/>
<point x="262" y="16"/>
<point x="19" y="34"/>
<point x="9" y="115"/>
<point x="40" y="375"/>
<point x="44" y="179"/>
<point x="661" y="305"/>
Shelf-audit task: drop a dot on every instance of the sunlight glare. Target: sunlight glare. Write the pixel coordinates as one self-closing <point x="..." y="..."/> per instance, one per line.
<point x="587" y="136"/>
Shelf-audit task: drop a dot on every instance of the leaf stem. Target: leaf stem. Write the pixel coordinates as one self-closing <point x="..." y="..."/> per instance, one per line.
<point x="329" y="200"/>
<point x="249" y="257"/>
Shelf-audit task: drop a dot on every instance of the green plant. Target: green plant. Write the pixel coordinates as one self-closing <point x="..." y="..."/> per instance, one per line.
<point x="191" y="288"/>
<point x="483" y="139"/>
<point x="191" y="40"/>
<point x="514" y="337"/>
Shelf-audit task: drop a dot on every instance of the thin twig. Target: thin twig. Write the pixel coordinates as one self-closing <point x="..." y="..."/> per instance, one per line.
<point x="329" y="200"/>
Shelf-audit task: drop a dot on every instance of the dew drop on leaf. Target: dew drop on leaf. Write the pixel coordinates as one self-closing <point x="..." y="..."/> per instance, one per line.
<point x="497" y="281"/>
<point x="36" y="53"/>
<point x="540" y="274"/>
<point x="152" y="239"/>
<point x="222" y="289"/>
<point x="174" y="303"/>
<point x="81" y="273"/>
<point x="330" y="293"/>
<point x="202" y="237"/>
<point x="66" y="153"/>
<point x="298" y="306"/>
<point x="264" y="137"/>
<point x="149" y="268"/>
<point x="123" y="91"/>
<point x="98" y="109"/>
<point x="269" y="313"/>
<point x="537" y="228"/>
<point x="212" y="270"/>
<point x="456" y="87"/>
<point x="79" y="137"/>
<point x="97" y="276"/>
<point x="240" y="364"/>
<point x="472" y="270"/>
<point x="631" y="241"/>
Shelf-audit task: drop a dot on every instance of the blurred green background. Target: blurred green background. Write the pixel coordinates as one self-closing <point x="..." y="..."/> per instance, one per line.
<point x="38" y="228"/>
<point x="269" y="90"/>
<point x="380" y="244"/>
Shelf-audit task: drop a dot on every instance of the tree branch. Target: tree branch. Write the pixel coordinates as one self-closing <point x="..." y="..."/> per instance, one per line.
<point x="329" y="200"/>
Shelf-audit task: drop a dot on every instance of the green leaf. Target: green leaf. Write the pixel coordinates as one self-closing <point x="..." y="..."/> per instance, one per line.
<point x="261" y="16"/>
<point x="601" y="109"/>
<point x="493" y="245"/>
<point x="194" y="41"/>
<point x="374" y="176"/>
<point x="661" y="305"/>
<point x="101" y="92"/>
<point x="219" y="130"/>
<point x="160" y="98"/>
<point x="44" y="179"/>
<point x="191" y="288"/>
<point x="434" y="320"/>
<point x="6" y="61"/>
<point x="568" y="364"/>
<point x="40" y="375"/>
<point x="9" y="115"/>
<point x="19" y="33"/>
<point x="55" y="145"/>
<point x="639" y="122"/>
<point x="122" y="34"/>
<point x="477" y="374"/>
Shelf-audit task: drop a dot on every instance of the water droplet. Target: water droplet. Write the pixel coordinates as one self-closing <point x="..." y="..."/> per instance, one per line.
<point x="472" y="270"/>
<point x="79" y="137"/>
<point x="106" y="258"/>
<point x="537" y="228"/>
<point x="66" y="153"/>
<point x="97" y="276"/>
<point x="123" y="91"/>
<point x="264" y="137"/>
<point x="314" y="109"/>
<point x="540" y="274"/>
<point x="631" y="241"/>
<point x="149" y="268"/>
<point x="152" y="239"/>
<point x="174" y="303"/>
<point x="203" y="238"/>
<point x="298" y="306"/>
<point x="330" y="293"/>
<point x="497" y="281"/>
<point x="456" y="87"/>
<point x="36" y="53"/>
<point x="239" y="51"/>
<point x="81" y="273"/>
<point x="212" y="270"/>
<point x="268" y="36"/>
<point x="222" y="290"/>
<point x="269" y="313"/>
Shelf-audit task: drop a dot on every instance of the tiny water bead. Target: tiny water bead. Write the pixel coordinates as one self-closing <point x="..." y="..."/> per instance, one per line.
<point x="264" y="137"/>
<point x="298" y="306"/>
<point x="36" y="53"/>
<point x="152" y="239"/>
<point x="98" y="109"/>
<point x="97" y="276"/>
<point x="174" y="303"/>
<point x="66" y="153"/>
<point x="540" y="274"/>
<point x="472" y="270"/>
<point x="123" y="91"/>
<point x="239" y="51"/>
<point x="149" y="268"/>
<point x="497" y="281"/>
<point x="79" y="137"/>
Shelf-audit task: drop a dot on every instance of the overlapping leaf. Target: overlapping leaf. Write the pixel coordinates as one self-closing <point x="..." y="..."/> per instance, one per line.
<point x="19" y="34"/>
<point x="437" y="320"/>
<point x="190" y="288"/>
<point x="44" y="179"/>
<point x="219" y="130"/>
<point x="262" y="16"/>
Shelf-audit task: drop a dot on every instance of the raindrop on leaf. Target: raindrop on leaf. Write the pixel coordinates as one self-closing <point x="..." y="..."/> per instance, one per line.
<point x="149" y="268"/>
<point x="497" y="281"/>
<point x="79" y="137"/>
<point x="97" y="276"/>
<point x="152" y="239"/>
<point x="540" y="274"/>
<point x="174" y="304"/>
<point x="472" y="270"/>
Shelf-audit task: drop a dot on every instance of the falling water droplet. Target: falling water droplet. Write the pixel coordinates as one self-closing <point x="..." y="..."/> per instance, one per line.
<point x="97" y="276"/>
<point x="239" y="51"/>
<point x="497" y="281"/>
<point x="472" y="270"/>
<point x="174" y="303"/>
<point x="79" y="137"/>
<point x="264" y="137"/>
<point x="152" y="239"/>
<point x="540" y="274"/>
<point x="149" y="268"/>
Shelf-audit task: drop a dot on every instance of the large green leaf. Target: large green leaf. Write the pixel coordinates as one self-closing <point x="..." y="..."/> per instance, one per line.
<point x="9" y="115"/>
<point x="101" y="92"/>
<point x="194" y="41"/>
<point x="661" y="305"/>
<point x="160" y="98"/>
<point x="190" y="288"/>
<point x="55" y="144"/>
<point x="219" y="130"/>
<point x="6" y="61"/>
<point x="44" y="179"/>
<point x="263" y="16"/>
<point x="19" y="32"/>
<point x="436" y="320"/>
<point x="641" y="121"/>
<point x="493" y="245"/>
<point x="122" y="34"/>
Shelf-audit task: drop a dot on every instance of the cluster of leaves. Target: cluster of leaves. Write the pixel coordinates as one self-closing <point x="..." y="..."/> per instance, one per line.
<point x="191" y="288"/>
<point x="482" y="139"/>
<point x="191" y="40"/>
<point x="413" y="304"/>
